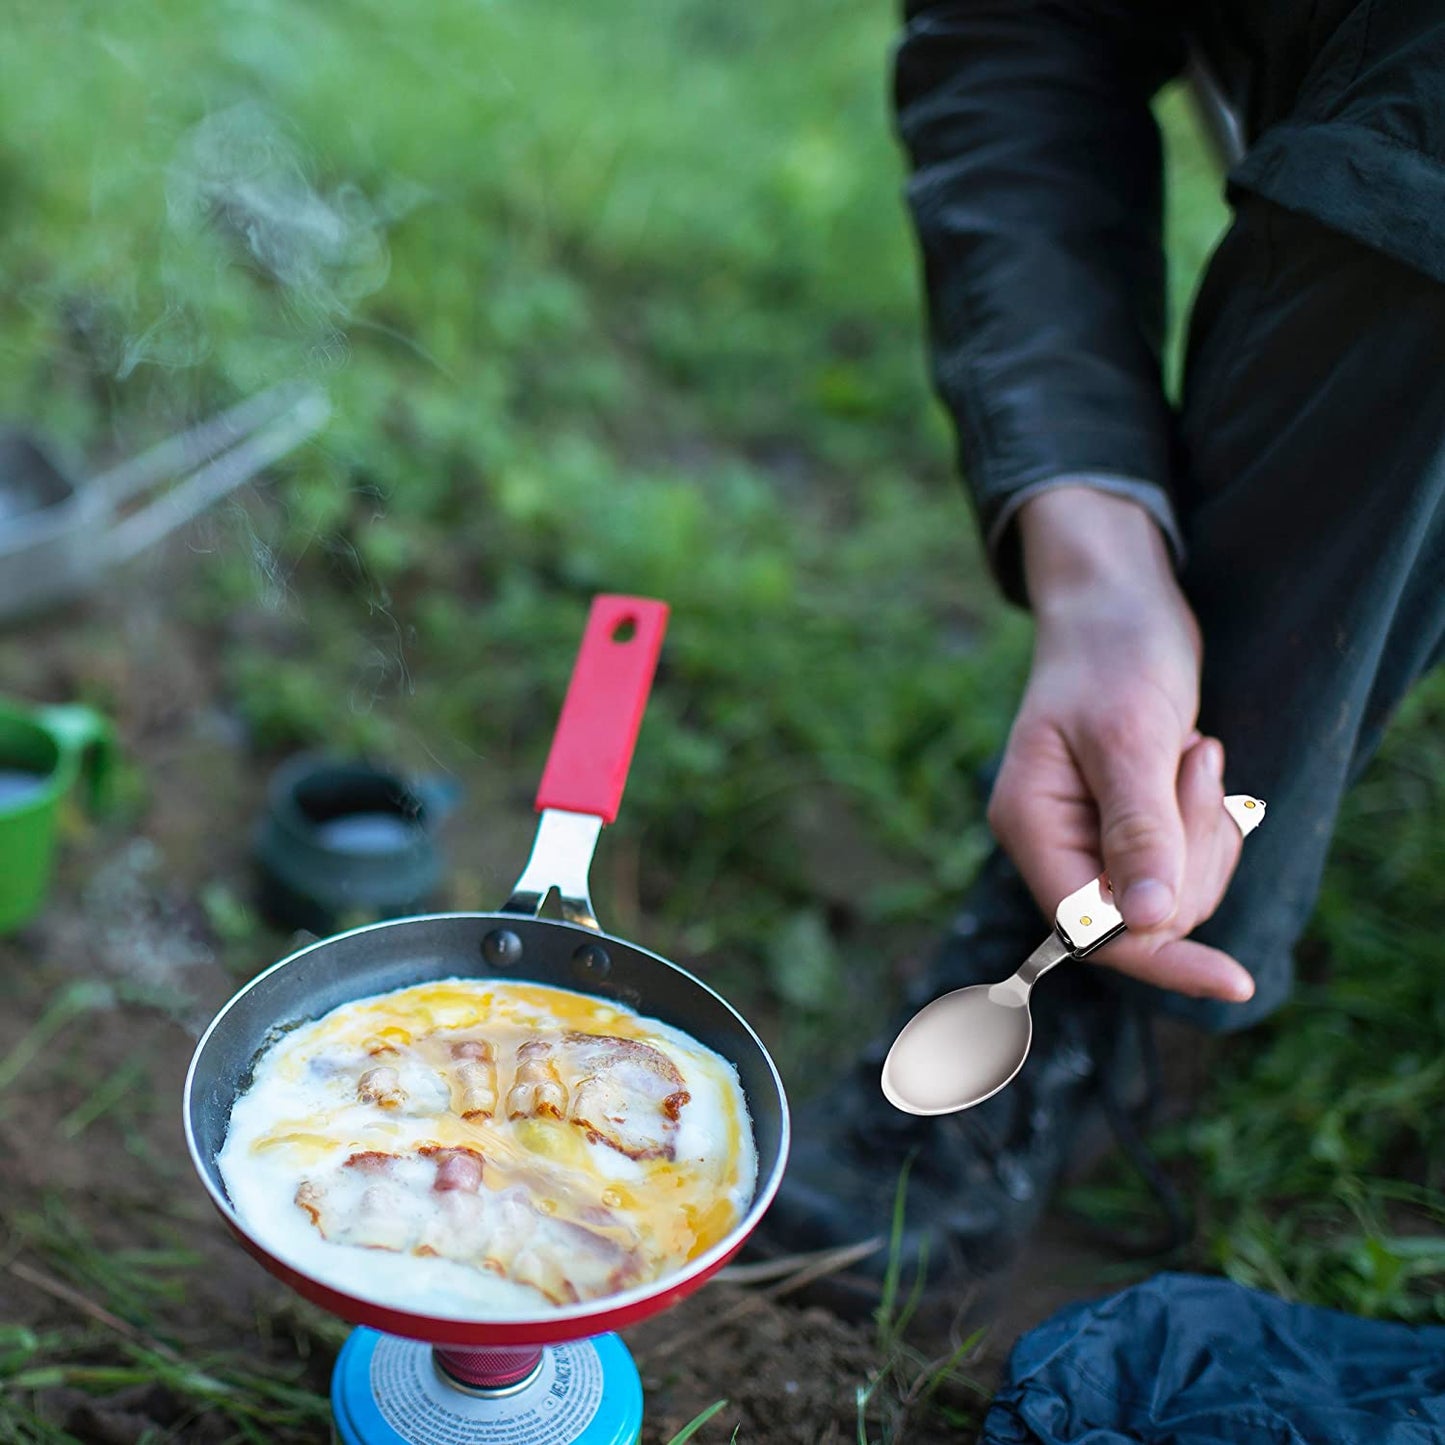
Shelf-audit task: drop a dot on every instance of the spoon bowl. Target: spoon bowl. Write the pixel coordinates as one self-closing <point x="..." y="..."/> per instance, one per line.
<point x="960" y="1050"/>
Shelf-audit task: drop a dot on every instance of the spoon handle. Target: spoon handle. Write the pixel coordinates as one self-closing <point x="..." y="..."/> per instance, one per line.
<point x="1087" y="918"/>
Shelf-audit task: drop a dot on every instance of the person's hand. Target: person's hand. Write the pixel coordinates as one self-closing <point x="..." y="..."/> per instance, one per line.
<point x="1104" y="771"/>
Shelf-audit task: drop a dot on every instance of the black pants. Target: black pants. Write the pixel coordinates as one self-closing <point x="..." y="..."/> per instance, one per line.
<point x="1313" y="506"/>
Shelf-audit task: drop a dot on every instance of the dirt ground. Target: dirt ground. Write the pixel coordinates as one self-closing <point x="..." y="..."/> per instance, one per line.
<point x="90" y="1136"/>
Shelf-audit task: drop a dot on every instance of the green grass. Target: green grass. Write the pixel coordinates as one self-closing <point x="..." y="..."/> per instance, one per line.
<point x="622" y="296"/>
<point x="118" y="1344"/>
<point x="910" y="1383"/>
<point x="1323" y="1160"/>
<point x="697" y="1422"/>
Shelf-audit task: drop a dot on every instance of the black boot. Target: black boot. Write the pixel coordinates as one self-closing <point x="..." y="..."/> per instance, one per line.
<point x="977" y="1180"/>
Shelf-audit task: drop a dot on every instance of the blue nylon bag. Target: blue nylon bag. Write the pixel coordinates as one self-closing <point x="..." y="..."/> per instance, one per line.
<point x="1188" y="1360"/>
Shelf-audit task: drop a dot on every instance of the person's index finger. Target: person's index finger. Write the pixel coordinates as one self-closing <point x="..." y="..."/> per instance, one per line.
<point x="1133" y="775"/>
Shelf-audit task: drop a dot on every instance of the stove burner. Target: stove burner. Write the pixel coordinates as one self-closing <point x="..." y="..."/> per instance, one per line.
<point x="499" y="1370"/>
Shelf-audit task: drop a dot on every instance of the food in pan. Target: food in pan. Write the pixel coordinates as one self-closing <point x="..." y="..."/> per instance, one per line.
<point x="473" y="1147"/>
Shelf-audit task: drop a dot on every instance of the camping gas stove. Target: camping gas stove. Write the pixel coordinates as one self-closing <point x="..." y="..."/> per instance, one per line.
<point x="392" y="1391"/>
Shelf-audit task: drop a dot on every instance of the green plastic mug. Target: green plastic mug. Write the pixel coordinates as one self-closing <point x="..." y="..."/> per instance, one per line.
<point x="44" y="751"/>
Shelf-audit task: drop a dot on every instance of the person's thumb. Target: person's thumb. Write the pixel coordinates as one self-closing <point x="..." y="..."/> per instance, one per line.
<point x="1133" y="775"/>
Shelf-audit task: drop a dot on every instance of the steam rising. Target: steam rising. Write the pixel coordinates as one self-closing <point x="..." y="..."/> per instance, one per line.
<point x="243" y="175"/>
<point x="238" y="172"/>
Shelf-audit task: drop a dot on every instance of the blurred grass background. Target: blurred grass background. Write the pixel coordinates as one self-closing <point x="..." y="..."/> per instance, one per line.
<point x="622" y="297"/>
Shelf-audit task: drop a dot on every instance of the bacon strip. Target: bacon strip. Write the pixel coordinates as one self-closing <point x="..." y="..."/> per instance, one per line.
<point x="382" y="1087"/>
<point x="538" y="1088"/>
<point x="476" y="1074"/>
<point x="371" y="1161"/>
<point x="631" y="1095"/>
<point x="310" y="1198"/>
<point x="456" y="1169"/>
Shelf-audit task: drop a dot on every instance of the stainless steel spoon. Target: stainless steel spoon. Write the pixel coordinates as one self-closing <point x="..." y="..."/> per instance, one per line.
<point x="964" y="1047"/>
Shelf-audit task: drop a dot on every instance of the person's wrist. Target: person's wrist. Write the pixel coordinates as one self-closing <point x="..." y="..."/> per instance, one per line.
<point x="1102" y="586"/>
<point x="1082" y="545"/>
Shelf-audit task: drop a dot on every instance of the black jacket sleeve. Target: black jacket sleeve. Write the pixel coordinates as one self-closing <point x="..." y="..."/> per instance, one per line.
<point x="1037" y="196"/>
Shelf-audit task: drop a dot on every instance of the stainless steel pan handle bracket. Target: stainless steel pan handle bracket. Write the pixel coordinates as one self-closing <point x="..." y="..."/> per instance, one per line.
<point x="561" y="859"/>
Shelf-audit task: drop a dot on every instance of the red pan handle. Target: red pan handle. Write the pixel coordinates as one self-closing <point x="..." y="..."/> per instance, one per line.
<point x="592" y="748"/>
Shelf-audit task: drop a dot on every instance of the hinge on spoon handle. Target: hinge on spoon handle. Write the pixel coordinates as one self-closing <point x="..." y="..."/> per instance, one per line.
<point x="1087" y="918"/>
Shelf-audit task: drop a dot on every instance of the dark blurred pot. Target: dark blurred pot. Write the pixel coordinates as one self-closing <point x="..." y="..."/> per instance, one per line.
<point x="344" y="842"/>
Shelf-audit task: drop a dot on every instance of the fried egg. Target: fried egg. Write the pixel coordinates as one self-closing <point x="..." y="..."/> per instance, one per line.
<point x="475" y="1148"/>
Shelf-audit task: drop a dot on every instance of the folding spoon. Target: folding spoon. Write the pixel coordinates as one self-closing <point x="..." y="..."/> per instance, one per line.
<point x="964" y="1047"/>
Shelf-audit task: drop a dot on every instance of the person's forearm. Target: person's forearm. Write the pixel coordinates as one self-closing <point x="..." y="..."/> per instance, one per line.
<point x="1037" y="199"/>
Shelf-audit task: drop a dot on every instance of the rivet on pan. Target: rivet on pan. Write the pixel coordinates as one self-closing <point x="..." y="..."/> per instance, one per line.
<point x="502" y="948"/>
<point x="591" y="961"/>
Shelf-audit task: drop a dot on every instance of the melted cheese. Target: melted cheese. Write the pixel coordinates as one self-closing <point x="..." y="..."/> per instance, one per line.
<point x="474" y="1148"/>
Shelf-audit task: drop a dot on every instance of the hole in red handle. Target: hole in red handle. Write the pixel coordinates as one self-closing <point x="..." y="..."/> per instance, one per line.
<point x="624" y="629"/>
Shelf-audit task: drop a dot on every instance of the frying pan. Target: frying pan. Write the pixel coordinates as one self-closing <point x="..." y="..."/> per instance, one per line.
<point x="580" y="791"/>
